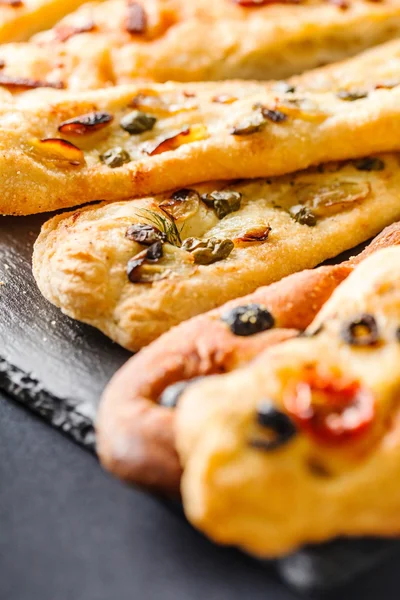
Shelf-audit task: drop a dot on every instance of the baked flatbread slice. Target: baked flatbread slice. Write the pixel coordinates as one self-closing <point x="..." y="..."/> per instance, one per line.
<point x="135" y="269"/>
<point x="75" y="64"/>
<point x="61" y="149"/>
<point x="19" y="19"/>
<point x="374" y="68"/>
<point x="136" y="411"/>
<point x="303" y="445"/>
<point x="159" y="40"/>
<point x="165" y="40"/>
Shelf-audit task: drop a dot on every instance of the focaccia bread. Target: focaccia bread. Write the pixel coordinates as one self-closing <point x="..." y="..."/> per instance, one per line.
<point x="303" y="445"/>
<point x="135" y="435"/>
<point x="118" y="41"/>
<point x="135" y="269"/>
<point x="60" y="149"/>
<point x="374" y="68"/>
<point x="92" y="48"/>
<point x="74" y="64"/>
<point x="163" y="40"/>
<point x="19" y="19"/>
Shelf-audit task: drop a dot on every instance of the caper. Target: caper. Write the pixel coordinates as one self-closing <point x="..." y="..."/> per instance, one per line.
<point x="209" y="251"/>
<point x="303" y="215"/>
<point x="351" y="96"/>
<point x="137" y="122"/>
<point x="115" y="157"/>
<point x="223" y="202"/>
<point x="192" y="243"/>
<point x="252" y="124"/>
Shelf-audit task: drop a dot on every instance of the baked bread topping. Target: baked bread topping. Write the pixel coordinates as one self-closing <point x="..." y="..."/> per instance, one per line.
<point x="297" y="447"/>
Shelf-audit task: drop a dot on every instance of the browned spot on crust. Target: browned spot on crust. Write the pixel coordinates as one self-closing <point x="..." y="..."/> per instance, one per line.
<point x="24" y="83"/>
<point x="224" y="99"/>
<point x="136" y="19"/>
<point x="65" y="32"/>
<point x="258" y="3"/>
<point x="13" y="3"/>
<point x="342" y="4"/>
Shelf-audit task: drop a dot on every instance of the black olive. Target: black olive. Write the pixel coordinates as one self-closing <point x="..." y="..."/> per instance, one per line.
<point x="132" y="269"/>
<point x="397" y="334"/>
<point x="171" y="395"/>
<point x="137" y="122"/>
<point x="248" y="320"/>
<point x="351" y="96"/>
<point x="303" y="215"/>
<point x="145" y="234"/>
<point x="361" y="331"/>
<point x="280" y="426"/>
<point x="369" y="163"/>
<point x="151" y="254"/>
<point x="154" y="252"/>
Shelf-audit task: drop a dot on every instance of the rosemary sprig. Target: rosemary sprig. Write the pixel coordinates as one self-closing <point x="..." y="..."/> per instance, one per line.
<point x="164" y="224"/>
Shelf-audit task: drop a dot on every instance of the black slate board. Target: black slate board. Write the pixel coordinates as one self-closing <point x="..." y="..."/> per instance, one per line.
<point x="58" y="368"/>
<point x="72" y="361"/>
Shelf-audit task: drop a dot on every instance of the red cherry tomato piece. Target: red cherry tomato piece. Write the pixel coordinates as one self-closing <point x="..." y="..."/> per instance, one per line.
<point x="331" y="409"/>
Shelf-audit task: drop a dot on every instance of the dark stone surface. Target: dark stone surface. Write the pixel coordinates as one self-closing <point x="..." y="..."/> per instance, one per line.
<point x="71" y="360"/>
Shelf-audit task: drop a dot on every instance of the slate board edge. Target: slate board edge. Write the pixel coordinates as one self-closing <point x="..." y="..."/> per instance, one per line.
<point x="61" y="413"/>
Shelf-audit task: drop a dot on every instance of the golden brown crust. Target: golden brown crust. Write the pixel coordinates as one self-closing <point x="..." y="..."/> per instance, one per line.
<point x="313" y="422"/>
<point x="178" y="40"/>
<point x="376" y="67"/>
<point x="135" y="440"/>
<point x="208" y="140"/>
<point x="19" y="19"/>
